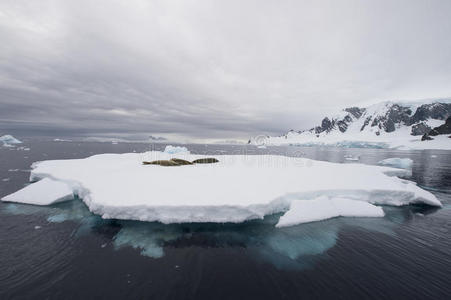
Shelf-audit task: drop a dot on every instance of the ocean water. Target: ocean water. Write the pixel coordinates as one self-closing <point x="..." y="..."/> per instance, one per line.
<point x="65" y="252"/>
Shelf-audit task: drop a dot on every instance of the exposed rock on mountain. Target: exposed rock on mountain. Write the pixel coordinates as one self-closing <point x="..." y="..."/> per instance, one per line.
<point x="442" y="129"/>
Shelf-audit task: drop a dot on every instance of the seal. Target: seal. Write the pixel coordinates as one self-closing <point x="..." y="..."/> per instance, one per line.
<point x="209" y="160"/>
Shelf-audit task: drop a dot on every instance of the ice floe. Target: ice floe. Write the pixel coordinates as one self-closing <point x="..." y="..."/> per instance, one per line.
<point x="238" y="188"/>
<point x="396" y="162"/>
<point x="323" y="207"/>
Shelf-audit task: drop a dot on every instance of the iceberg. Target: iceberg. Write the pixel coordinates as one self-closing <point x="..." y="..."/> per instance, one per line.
<point x="236" y="189"/>
<point x="44" y="192"/>
<point x="9" y="140"/>
<point x="321" y="208"/>
<point x="175" y="149"/>
<point x="396" y="162"/>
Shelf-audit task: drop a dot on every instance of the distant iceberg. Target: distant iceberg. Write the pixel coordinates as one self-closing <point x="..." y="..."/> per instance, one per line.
<point x="236" y="189"/>
<point x="396" y="162"/>
<point x="175" y="149"/>
<point x="9" y="140"/>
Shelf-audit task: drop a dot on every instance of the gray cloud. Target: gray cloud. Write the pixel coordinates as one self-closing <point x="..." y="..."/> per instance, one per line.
<point x="212" y="69"/>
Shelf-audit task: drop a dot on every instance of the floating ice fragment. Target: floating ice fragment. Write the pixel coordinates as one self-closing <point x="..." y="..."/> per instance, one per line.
<point x="44" y="192"/>
<point x="321" y="208"/>
<point x="396" y="162"/>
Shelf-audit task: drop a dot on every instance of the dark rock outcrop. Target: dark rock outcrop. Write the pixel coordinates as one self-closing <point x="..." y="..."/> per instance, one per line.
<point x="438" y="111"/>
<point x="420" y="129"/>
<point x="442" y="129"/>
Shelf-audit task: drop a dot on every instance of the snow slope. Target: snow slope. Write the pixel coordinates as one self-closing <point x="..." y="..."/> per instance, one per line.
<point x="236" y="189"/>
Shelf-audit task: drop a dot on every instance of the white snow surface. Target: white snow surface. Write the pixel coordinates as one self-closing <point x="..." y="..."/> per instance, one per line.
<point x="175" y="149"/>
<point x="44" y="192"/>
<point x="396" y="162"/>
<point x="236" y="189"/>
<point x="323" y="207"/>
<point x="9" y="140"/>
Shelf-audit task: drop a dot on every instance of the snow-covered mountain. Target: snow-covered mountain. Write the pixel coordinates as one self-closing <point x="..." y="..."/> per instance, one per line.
<point x="387" y="124"/>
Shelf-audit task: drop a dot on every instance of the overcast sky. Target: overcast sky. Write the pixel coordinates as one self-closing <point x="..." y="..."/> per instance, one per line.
<point x="212" y="69"/>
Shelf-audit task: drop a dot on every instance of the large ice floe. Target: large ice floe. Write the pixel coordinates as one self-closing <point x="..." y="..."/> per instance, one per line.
<point x="236" y="189"/>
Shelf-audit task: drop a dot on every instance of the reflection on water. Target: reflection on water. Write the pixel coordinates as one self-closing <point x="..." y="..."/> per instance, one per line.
<point x="295" y="247"/>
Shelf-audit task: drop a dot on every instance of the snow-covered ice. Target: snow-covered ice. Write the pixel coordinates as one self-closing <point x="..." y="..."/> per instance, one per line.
<point x="396" y="162"/>
<point x="175" y="149"/>
<point x="9" y="140"/>
<point x="44" y="192"/>
<point x="236" y="189"/>
<point x="323" y="207"/>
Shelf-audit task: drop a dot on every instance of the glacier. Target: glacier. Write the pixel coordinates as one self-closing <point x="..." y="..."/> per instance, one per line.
<point x="238" y="188"/>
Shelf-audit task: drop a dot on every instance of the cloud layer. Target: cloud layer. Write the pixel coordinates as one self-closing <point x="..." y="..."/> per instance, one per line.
<point x="212" y="69"/>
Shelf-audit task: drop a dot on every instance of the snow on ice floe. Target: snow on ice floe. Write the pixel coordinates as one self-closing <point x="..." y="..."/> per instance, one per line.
<point x="175" y="149"/>
<point x="44" y="192"/>
<point x="238" y="188"/>
<point x="323" y="207"/>
<point x="9" y="140"/>
<point x="396" y="162"/>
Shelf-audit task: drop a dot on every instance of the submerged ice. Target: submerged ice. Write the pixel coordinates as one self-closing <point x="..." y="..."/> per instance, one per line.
<point x="238" y="188"/>
<point x="396" y="162"/>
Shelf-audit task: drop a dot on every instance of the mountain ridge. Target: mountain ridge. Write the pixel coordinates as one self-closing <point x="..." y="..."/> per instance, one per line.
<point x="378" y="123"/>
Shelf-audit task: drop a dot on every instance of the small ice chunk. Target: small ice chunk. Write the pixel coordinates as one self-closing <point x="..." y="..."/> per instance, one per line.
<point x="44" y="192"/>
<point x="175" y="149"/>
<point x="396" y="162"/>
<point x="351" y="157"/>
<point x="321" y="208"/>
<point x="37" y="227"/>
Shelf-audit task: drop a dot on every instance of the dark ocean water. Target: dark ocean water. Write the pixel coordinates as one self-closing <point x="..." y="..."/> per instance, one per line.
<point x="65" y="252"/>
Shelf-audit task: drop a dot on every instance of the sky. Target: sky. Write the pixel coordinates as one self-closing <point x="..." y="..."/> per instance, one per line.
<point x="206" y="70"/>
